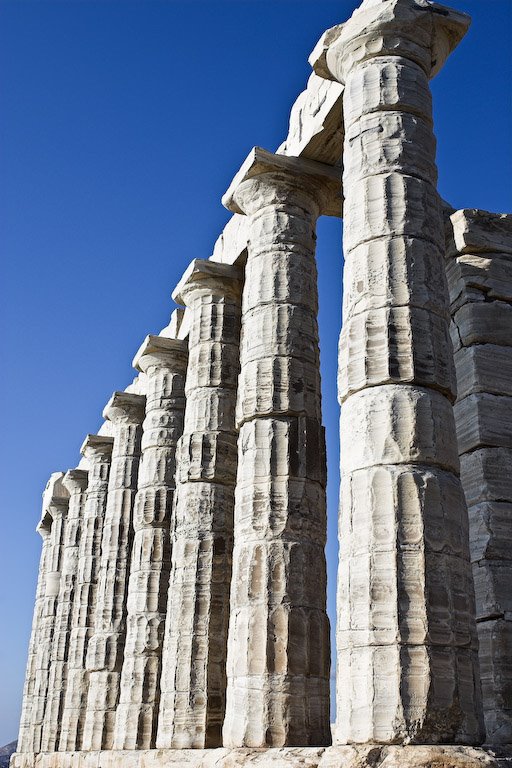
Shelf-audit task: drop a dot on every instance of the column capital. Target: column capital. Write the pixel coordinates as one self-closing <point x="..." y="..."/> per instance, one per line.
<point x="161" y="352"/>
<point x="320" y="181"/>
<point x="424" y="32"/>
<point x="210" y="277"/>
<point x="75" y="480"/>
<point x="125" y="408"/>
<point x="97" y="447"/>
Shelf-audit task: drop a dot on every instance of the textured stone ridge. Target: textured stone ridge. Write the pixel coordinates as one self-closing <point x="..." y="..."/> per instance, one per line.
<point x="370" y="756"/>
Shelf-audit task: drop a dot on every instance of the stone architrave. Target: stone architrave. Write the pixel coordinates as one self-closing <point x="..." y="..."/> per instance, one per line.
<point x="27" y="739"/>
<point x="56" y="507"/>
<point x="164" y="362"/>
<point x="407" y="656"/>
<point x="75" y="482"/>
<point x="193" y="688"/>
<point x="104" y="660"/>
<point x="278" y="647"/>
<point x="97" y="450"/>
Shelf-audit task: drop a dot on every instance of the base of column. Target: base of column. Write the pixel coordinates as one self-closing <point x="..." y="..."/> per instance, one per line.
<point x="361" y="756"/>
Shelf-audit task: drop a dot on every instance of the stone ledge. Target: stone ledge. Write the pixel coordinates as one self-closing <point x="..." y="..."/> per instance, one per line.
<point x="367" y="756"/>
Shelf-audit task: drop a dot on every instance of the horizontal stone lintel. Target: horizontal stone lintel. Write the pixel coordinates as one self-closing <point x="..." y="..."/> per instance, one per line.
<point x="360" y="756"/>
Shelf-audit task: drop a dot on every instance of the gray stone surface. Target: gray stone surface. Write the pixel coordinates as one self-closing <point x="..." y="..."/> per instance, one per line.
<point x="193" y="683"/>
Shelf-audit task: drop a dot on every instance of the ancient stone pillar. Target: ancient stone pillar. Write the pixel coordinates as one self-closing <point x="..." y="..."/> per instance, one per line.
<point x="407" y="662"/>
<point x="56" y="508"/>
<point x="75" y="482"/>
<point x="104" y="661"/>
<point x="27" y="738"/>
<point x="193" y="688"/>
<point x="164" y="361"/>
<point x="97" y="449"/>
<point x="278" y="648"/>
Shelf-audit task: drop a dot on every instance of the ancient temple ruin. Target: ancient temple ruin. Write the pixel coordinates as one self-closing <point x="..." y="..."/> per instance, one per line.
<point x="180" y="615"/>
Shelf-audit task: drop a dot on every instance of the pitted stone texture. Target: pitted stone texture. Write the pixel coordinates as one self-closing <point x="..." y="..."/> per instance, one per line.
<point x="164" y="362"/>
<point x="98" y="452"/>
<point x="193" y="682"/>
<point x="395" y="345"/>
<point x="75" y="482"/>
<point x="299" y="757"/>
<point x="395" y="272"/>
<point x="278" y="650"/>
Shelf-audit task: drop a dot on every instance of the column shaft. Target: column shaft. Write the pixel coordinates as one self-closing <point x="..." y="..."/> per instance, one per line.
<point x="106" y="646"/>
<point x="98" y="451"/>
<point x="75" y="482"/>
<point x="278" y="649"/>
<point x="164" y="362"/>
<point x="407" y="662"/>
<point x="194" y="664"/>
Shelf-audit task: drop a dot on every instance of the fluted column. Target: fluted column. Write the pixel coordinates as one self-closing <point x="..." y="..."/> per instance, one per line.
<point x="97" y="449"/>
<point x="278" y="648"/>
<point x="193" y="686"/>
<point x="75" y="482"/>
<point x="164" y="361"/>
<point x="407" y="663"/>
<point x="56" y="509"/>
<point x="26" y="737"/>
<point x="104" y="661"/>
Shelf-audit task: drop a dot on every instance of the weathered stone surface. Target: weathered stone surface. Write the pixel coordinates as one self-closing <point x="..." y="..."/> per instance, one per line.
<point x="495" y="639"/>
<point x="164" y="362"/>
<point x="479" y="277"/>
<point x="193" y="682"/>
<point x="490" y="524"/>
<point x="98" y="452"/>
<point x="484" y="420"/>
<point x="487" y="475"/>
<point x="473" y="231"/>
<point x="483" y="323"/>
<point x="278" y="655"/>
<point x="484" y="368"/>
<point x="300" y="757"/>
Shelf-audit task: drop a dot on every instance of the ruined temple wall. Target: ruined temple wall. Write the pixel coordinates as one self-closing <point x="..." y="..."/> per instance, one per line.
<point x="479" y="271"/>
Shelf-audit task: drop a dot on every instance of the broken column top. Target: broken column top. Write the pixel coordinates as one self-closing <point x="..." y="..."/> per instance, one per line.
<point x="160" y="350"/>
<point x="423" y="31"/>
<point x="211" y="275"/>
<point x="260" y="161"/>
<point x="474" y="231"/>
<point x="125" y="407"/>
<point x="75" y="479"/>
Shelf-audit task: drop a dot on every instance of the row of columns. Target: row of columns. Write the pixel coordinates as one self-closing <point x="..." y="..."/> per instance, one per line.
<point x="198" y="615"/>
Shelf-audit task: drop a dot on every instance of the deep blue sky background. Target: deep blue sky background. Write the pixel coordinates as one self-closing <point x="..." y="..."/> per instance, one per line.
<point x="122" y="123"/>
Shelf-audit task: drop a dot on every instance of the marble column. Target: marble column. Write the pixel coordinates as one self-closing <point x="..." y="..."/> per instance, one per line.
<point x="407" y="657"/>
<point x="278" y="647"/>
<point x="97" y="449"/>
<point x="104" y="660"/>
<point x="193" y="688"/>
<point x="56" y="509"/>
<point x="75" y="482"/>
<point x="27" y="739"/>
<point x="164" y="362"/>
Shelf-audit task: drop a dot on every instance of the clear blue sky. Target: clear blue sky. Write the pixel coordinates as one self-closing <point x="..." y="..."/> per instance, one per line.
<point x="122" y="123"/>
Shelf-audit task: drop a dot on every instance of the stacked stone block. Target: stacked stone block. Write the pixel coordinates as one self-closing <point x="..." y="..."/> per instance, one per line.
<point x="193" y="686"/>
<point x="164" y="362"/>
<point x="407" y="655"/>
<point x="479" y="269"/>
